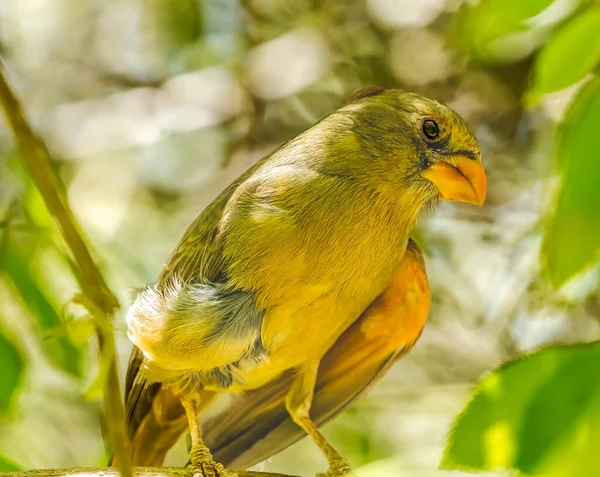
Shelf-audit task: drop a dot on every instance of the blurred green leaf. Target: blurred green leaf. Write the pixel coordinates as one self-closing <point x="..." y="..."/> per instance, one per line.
<point x="14" y="262"/>
<point x="572" y="238"/>
<point x="80" y="331"/>
<point x="571" y="53"/>
<point x="7" y="465"/>
<point x="12" y="373"/>
<point x="534" y="414"/>
<point x="503" y="30"/>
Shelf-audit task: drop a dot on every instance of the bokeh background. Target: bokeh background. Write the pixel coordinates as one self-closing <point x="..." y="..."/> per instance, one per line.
<point x="151" y="107"/>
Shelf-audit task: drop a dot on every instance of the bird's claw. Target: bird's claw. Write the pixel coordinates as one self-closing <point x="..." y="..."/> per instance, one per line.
<point x="338" y="468"/>
<point x="211" y="469"/>
<point x="203" y="465"/>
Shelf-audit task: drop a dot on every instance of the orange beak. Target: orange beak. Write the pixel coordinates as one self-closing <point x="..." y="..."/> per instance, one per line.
<point x="458" y="178"/>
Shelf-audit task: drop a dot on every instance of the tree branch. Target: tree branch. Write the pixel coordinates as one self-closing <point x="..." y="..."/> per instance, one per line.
<point x="137" y="472"/>
<point x="100" y="301"/>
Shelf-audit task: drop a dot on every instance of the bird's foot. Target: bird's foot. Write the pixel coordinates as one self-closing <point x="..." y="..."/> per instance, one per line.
<point x="211" y="468"/>
<point x="203" y="465"/>
<point x="339" y="468"/>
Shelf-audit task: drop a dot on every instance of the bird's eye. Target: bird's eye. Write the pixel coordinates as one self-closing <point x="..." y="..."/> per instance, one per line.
<point x="430" y="129"/>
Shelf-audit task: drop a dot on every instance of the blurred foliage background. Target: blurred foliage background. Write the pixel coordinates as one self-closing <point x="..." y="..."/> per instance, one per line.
<point x="151" y="107"/>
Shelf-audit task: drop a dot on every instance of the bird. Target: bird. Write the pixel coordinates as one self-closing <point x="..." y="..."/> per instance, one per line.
<point x="298" y="287"/>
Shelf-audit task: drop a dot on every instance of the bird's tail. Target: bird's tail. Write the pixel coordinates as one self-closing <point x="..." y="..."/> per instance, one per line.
<point x="155" y="417"/>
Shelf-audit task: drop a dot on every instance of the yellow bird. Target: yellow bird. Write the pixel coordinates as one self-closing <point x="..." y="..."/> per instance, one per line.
<point x="298" y="287"/>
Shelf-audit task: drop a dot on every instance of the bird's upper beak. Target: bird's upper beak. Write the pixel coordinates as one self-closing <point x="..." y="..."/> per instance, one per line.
<point x="459" y="178"/>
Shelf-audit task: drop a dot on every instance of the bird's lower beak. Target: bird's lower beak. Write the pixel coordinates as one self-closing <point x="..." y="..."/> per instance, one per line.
<point x="458" y="178"/>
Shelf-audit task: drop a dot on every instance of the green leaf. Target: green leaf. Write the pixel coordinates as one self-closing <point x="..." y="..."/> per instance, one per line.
<point x="12" y="373"/>
<point x="534" y="414"/>
<point x="15" y="254"/>
<point x="572" y="237"/>
<point x="7" y="465"/>
<point x="503" y="30"/>
<point x="572" y="53"/>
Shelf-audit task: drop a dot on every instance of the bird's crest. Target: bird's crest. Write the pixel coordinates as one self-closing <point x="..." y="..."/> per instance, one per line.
<point x="365" y="92"/>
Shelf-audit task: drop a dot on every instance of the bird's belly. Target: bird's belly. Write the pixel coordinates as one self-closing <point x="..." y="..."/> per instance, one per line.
<point x="304" y="329"/>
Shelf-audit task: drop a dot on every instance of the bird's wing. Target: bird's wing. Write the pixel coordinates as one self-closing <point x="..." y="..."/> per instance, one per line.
<point x="256" y="425"/>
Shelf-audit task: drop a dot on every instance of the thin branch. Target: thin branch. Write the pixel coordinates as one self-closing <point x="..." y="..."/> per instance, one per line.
<point x="137" y="472"/>
<point x="37" y="159"/>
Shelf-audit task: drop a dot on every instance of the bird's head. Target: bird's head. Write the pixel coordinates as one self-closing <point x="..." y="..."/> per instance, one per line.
<point x="418" y="144"/>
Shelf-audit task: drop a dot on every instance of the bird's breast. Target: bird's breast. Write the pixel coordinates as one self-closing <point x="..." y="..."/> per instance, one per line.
<point x="305" y="326"/>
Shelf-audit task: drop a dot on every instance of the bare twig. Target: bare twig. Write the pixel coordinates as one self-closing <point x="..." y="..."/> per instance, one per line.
<point x="112" y="472"/>
<point x="35" y="156"/>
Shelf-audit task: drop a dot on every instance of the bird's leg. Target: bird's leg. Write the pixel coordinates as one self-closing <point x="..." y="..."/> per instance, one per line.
<point x="201" y="460"/>
<point x="298" y="402"/>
